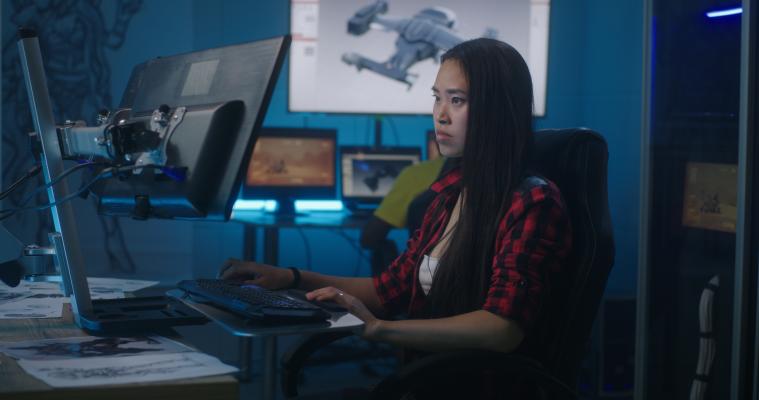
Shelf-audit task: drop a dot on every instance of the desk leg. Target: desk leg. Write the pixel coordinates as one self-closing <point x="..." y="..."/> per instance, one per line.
<point x="270" y="368"/>
<point x="271" y="245"/>
<point x="249" y="243"/>
<point x="271" y="257"/>
<point x="246" y="355"/>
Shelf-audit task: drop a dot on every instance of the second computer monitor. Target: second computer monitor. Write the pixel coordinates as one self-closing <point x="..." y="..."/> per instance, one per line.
<point x="369" y="173"/>
<point x="289" y="164"/>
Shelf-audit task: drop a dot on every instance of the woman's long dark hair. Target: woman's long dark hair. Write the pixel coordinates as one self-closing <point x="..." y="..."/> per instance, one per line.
<point x="498" y="139"/>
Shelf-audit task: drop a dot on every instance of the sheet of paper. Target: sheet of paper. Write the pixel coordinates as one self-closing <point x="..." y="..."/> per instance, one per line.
<point x="123" y="370"/>
<point x="6" y="297"/>
<point x="26" y="289"/>
<point x="90" y="346"/>
<point x="117" y="284"/>
<point x="7" y="289"/>
<point x="46" y="290"/>
<point x="32" y="308"/>
<point x="32" y="291"/>
<point x="44" y="299"/>
<point x="101" y="293"/>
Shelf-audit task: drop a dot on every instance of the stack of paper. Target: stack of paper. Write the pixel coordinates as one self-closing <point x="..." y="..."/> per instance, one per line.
<point x="89" y="360"/>
<point x="31" y="300"/>
<point x="45" y="299"/>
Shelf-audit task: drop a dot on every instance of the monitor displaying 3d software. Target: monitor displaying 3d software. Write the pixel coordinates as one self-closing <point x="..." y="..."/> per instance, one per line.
<point x="368" y="173"/>
<point x="382" y="56"/>
<point x="290" y="164"/>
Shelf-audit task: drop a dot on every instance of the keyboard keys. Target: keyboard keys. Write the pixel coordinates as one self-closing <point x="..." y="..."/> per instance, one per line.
<point x="253" y="301"/>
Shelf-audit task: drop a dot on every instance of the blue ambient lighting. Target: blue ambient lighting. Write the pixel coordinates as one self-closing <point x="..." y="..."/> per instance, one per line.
<point x="253" y="205"/>
<point x="318" y="205"/>
<point x="724" y="13"/>
<point x="300" y="205"/>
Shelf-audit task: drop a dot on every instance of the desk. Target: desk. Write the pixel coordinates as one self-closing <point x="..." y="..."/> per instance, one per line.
<point x="18" y="385"/>
<point x="246" y="331"/>
<point x="271" y="223"/>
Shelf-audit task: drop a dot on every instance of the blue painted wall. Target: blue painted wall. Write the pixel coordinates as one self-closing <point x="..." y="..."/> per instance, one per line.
<point x="594" y="80"/>
<point x="611" y="98"/>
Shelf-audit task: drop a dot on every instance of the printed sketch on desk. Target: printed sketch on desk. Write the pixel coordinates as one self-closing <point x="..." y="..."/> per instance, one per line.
<point x="37" y="290"/>
<point x="6" y="297"/>
<point x="45" y="299"/>
<point x="91" y="346"/>
<point x="32" y="308"/>
<point x="122" y="370"/>
<point x="23" y="290"/>
<point x="58" y="295"/>
<point x="47" y="290"/>
<point x="41" y="287"/>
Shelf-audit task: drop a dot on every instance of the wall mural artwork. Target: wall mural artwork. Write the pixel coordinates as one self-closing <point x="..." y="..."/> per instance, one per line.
<point x="74" y="36"/>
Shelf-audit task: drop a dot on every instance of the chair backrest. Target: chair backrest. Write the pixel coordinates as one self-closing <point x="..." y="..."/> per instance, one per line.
<point x="576" y="160"/>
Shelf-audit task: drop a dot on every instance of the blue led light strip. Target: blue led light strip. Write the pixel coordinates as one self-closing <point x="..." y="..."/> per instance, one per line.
<point x="300" y="205"/>
<point x="724" y="13"/>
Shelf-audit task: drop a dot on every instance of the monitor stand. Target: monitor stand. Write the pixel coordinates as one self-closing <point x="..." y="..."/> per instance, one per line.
<point x="286" y="208"/>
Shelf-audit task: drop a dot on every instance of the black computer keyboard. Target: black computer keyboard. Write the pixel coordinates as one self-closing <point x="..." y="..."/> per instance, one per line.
<point x="253" y="301"/>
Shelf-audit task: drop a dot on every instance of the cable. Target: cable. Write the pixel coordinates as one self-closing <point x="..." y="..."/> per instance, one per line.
<point x="707" y="342"/>
<point x="4" y="214"/>
<point x="110" y="255"/>
<point x="357" y="268"/>
<point x="120" y="234"/>
<point x="58" y="179"/>
<point x="114" y="261"/>
<point x="307" y="246"/>
<point x="359" y="250"/>
<point x="15" y="185"/>
<point x="353" y="244"/>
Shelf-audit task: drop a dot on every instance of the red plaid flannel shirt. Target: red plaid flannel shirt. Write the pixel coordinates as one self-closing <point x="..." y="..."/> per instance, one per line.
<point x="533" y="240"/>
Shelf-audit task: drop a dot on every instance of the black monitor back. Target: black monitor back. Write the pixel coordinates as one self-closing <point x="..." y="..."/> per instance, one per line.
<point x="232" y="87"/>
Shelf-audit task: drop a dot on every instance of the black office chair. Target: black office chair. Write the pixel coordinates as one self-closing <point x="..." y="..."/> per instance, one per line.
<point x="576" y="160"/>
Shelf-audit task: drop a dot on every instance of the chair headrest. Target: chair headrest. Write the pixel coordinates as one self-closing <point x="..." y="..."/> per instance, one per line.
<point x="576" y="160"/>
<point x="555" y="153"/>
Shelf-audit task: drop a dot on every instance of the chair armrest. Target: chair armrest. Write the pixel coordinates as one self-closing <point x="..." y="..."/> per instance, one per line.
<point x="432" y="369"/>
<point x="293" y="359"/>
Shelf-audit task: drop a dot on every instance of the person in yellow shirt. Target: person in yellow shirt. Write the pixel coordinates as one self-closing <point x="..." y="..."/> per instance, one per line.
<point x="396" y="211"/>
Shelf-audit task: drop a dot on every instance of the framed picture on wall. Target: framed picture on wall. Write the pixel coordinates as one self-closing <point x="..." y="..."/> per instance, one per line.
<point x="710" y="199"/>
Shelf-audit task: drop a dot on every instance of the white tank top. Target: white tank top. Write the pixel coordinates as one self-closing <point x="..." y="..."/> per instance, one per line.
<point x="427" y="272"/>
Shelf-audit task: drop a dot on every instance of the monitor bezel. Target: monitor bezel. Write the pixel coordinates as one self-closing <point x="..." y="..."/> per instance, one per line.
<point x="399" y="150"/>
<point x="274" y="192"/>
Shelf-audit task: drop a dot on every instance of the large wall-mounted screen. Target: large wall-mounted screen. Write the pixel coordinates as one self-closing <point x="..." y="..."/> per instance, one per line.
<point x="381" y="57"/>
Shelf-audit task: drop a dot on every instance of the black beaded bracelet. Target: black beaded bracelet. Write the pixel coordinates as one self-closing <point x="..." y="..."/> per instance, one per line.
<point x="296" y="278"/>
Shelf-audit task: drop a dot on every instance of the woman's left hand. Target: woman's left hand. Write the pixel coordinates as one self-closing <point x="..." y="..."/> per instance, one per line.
<point x="352" y="304"/>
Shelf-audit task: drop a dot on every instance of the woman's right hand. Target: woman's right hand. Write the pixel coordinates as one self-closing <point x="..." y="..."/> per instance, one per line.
<point x="263" y="275"/>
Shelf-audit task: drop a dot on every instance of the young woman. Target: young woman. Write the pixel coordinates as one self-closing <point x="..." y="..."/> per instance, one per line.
<point x="477" y="273"/>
